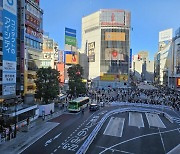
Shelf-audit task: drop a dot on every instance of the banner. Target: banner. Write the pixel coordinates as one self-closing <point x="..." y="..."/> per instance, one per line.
<point x="91" y="52"/>
<point x="114" y="36"/>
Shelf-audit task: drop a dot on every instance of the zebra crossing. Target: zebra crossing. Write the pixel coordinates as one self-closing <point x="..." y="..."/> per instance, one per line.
<point x="176" y="120"/>
<point x="116" y="124"/>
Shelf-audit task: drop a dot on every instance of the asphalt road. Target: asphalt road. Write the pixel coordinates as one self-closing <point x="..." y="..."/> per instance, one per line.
<point x="69" y="135"/>
<point x="137" y="140"/>
<point x="73" y="130"/>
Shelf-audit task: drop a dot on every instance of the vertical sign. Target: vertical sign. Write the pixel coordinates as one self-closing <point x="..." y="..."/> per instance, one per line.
<point x="70" y="36"/>
<point x="9" y="45"/>
<point x="130" y="58"/>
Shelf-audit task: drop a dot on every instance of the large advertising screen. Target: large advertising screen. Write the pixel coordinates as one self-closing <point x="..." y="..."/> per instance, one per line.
<point x="178" y="82"/>
<point x="91" y="52"/>
<point x="115" y="18"/>
<point x="114" y="54"/>
<point x="113" y="77"/>
<point x="114" y="36"/>
<point x="71" y="57"/>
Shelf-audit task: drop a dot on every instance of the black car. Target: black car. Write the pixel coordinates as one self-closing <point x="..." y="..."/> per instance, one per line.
<point x="94" y="107"/>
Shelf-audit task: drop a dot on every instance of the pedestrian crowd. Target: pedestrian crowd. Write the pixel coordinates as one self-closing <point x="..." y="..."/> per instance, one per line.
<point x="158" y="96"/>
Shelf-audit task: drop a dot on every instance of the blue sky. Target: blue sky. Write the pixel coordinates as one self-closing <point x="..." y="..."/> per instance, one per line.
<point x="148" y="17"/>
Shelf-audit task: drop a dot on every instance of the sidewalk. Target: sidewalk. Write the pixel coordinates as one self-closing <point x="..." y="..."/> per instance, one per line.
<point x="25" y="138"/>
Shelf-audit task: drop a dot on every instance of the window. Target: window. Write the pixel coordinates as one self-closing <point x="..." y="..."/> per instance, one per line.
<point x="0" y="15"/>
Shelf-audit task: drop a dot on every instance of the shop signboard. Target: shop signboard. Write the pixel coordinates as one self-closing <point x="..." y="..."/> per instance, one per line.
<point x="130" y="58"/>
<point x="70" y="36"/>
<point x="9" y="45"/>
<point x="9" y="77"/>
<point x="9" y="89"/>
<point x="91" y="52"/>
<point x="9" y="66"/>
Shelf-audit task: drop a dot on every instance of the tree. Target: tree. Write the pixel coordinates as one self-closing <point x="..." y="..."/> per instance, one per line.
<point x="76" y="86"/>
<point x="47" y="84"/>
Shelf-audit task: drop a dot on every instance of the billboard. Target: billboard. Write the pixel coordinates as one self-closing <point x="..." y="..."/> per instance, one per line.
<point x="9" y="46"/>
<point x="114" y="36"/>
<point x="113" y="77"/>
<point x="165" y="35"/>
<point x="71" y="57"/>
<point x="70" y="40"/>
<point x="91" y="52"/>
<point x="114" y="54"/>
<point x="70" y="36"/>
<point x="115" y="18"/>
<point x="178" y="82"/>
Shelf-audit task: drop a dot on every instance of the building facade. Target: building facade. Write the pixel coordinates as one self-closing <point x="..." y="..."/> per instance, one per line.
<point x="31" y="38"/>
<point x="142" y="67"/>
<point x="174" y="74"/>
<point x="163" y="58"/>
<point x="49" y="56"/>
<point x="105" y="47"/>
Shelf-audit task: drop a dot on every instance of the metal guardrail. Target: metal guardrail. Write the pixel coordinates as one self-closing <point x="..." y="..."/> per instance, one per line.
<point x="89" y="140"/>
<point x="142" y="104"/>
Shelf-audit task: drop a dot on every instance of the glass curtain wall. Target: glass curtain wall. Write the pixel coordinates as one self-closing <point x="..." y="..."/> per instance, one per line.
<point x="114" y="51"/>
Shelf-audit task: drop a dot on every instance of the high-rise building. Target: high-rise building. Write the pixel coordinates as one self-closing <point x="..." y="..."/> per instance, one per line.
<point x="19" y="48"/>
<point x="142" y="67"/>
<point x="105" y="47"/>
<point x="163" y="58"/>
<point x="31" y="41"/>
<point x="49" y="56"/>
<point x="174" y="74"/>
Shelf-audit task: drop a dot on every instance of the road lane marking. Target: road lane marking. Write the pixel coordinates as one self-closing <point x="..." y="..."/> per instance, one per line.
<point x="115" y="127"/>
<point x="162" y="141"/>
<point x="135" y="119"/>
<point x="175" y="150"/>
<point x="115" y="150"/>
<point x="154" y="120"/>
<point x="134" y="138"/>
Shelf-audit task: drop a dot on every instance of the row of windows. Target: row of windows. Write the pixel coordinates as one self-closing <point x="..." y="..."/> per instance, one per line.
<point x="0" y="15"/>
<point x="33" y="43"/>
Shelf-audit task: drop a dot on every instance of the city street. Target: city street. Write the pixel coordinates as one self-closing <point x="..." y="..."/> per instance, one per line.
<point x="127" y="132"/>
